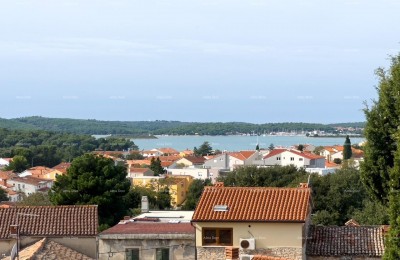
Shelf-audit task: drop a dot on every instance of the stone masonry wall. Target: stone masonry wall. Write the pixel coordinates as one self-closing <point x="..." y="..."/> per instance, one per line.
<point x="218" y="253"/>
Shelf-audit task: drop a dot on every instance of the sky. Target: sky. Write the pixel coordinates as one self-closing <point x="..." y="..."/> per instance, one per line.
<point x="252" y="61"/>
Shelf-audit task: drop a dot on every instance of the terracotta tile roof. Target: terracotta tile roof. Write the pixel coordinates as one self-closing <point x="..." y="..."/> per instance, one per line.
<point x="50" y="220"/>
<point x="168" y="158"/>
<point x="254" y="204"/>
<point x="367" y="241"/>
<point x="5" y="175"/>
<point x="331" y="165"/>
<point x="168" y="150"/>
<point x="150" y="228"/>
<point x="142" y="170"/>
<point x="30" y="180"/>
<point x="62" y="167"/>
<point x="274" y="152"/>
<point x="195" y="159"/>
<point x="138" y="162"/>
<point x="242" y="155"/>
<point x="39" y="170"/>
<point x="266" y="257"/>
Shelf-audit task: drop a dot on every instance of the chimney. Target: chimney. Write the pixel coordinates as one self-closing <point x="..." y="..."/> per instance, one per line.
<point x="145" y="204"/>
<point x="303" y="185"/>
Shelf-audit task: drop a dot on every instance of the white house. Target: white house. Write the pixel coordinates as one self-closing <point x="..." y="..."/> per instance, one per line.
<point x="231" y="160"/>
<point x="196" y="173"/>
<point x="299" y="159"/>
<point x="29" y="185"/>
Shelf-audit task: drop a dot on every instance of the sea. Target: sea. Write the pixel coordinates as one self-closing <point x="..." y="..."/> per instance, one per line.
<point x="238" y="142"/>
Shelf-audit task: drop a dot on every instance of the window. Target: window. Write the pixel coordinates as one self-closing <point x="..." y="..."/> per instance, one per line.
<point x="278" y="158"/>
<point x="217" y="236"/>
<point x="300" y="159"/>
<point x="162" y="254"/>
<point x="292" y="158"/>
<point x="132" y="254"/>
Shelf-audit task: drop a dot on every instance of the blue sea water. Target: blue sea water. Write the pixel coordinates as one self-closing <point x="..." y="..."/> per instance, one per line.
<point x="237" y="143"/>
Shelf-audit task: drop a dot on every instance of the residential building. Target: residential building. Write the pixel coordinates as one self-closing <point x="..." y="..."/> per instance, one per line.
<point x="29" y="185"/>
<point x="258" y="220"/>
<point x="188" y="161"/>
<point x="74" y="227"/>
<point x="196" y="173"/>
<point x="38" y="172"/>
<point x="299" y="159"/>
<point x="168" y="151"/>
<point x="178" y="186"/>
<point x="160" y="235"/>
<point x="186" y="152"/>
<point x="139" y="172"/>
<point x="5" y="176"/>
<point x="231" y="160"/>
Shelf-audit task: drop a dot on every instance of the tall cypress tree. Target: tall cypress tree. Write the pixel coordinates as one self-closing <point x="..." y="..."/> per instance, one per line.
<point x="381" y="168"/>
<point x="347" y="153"/>
<point x="383" y="119"/>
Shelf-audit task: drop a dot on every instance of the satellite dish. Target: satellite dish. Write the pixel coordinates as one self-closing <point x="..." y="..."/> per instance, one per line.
<point x="14" y="251"/>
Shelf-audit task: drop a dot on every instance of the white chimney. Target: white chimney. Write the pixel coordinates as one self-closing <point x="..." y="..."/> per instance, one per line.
<point x="145" y="204"/>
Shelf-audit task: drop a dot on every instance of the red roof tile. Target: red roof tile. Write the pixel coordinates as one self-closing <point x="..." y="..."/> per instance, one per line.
<point x="195" y="159"/>
<point x="150" y="228"/>
<point x="346" y="241"/>
<point x="50" y="220"/>
<point x="274" y="152"/>
<point x="254" y="204"/>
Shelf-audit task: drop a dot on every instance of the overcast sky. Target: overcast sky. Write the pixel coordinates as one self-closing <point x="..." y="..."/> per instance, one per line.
<point x="205" y="60"/>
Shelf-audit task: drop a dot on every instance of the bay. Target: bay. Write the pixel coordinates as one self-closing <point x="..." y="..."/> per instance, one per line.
<point x="237" y="142"/>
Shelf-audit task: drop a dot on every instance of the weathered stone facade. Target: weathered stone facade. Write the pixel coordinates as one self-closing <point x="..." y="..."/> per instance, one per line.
<point x="208" y="253"/>
<point x="114" y="246"/>
<point x="218" y="253"/>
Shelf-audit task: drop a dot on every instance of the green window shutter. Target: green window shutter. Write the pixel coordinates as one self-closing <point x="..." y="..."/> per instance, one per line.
<point x="132" y="254"/>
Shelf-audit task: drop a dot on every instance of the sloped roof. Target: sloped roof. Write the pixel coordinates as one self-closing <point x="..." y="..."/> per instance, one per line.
<point x="142" y="170"/>
<point x="345" y="241"/>
<point x="73" y="220"/>
<point x="254" y="204"/>
<point x="30" y="180"/>
<point x="62" y="167"/>
<point x="142" y="227"/>
<point x="168" y="150"/>
<point x="5" y="175"/>
<point x="45" y="249"/>
<point x="274" y="152"/>
<point x="195" y="159"/>
<point x="307" y="155"/>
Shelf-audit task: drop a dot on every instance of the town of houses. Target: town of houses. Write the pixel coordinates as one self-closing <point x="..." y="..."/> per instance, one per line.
<point x="228" y="223"/>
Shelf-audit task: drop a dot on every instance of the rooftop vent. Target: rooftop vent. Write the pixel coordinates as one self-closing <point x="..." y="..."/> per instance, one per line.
<point x="221" y="208"/>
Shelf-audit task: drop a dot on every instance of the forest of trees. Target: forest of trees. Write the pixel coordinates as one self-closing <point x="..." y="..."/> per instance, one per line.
<point x="158" y="127"/>
<point x="37" y="147"/>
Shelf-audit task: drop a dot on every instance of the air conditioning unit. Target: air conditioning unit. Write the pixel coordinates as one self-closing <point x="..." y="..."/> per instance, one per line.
<point x="246" y="257"/>
<point x="247" y="243"/>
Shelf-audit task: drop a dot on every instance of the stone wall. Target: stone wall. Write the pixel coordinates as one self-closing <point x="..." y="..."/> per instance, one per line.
<point x="208" y="253"/>
<point x="286" y="252"/>
<point x="218" y="253"/>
